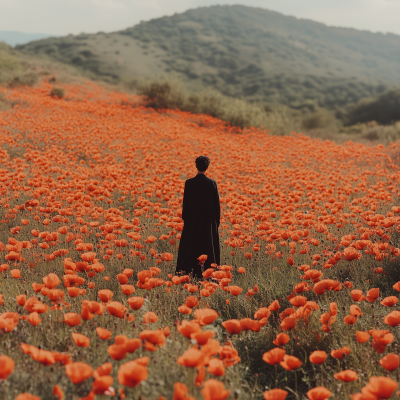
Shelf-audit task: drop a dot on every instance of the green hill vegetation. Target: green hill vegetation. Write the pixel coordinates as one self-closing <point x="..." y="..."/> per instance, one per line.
<point x="242" y="52"/>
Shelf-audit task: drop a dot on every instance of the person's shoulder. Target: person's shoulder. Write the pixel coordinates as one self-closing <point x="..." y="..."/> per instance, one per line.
<point x="212" y="180"/>
<point x="189" y="181"/>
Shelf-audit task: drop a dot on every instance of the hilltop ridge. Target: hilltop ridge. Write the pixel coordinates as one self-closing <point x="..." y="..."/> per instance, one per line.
<point x="244" y="52"/>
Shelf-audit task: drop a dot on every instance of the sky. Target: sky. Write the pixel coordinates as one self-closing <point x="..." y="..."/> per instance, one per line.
<point x="62" y="17"/>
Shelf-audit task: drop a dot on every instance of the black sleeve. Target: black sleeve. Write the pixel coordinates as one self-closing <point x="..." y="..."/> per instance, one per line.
<point x="217" y="204"/>
<point x="185" y="203"/>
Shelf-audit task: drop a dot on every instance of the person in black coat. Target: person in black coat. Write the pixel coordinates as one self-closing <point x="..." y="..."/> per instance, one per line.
<point x="201" y="214"/>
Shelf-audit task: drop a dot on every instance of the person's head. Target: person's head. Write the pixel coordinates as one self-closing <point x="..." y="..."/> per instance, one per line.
<point x="202" y="163"/>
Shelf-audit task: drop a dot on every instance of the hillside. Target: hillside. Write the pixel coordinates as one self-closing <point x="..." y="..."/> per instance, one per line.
<point x="246" y="52"/>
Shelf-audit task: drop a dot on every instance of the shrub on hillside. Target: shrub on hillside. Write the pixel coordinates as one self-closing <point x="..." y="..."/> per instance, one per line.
<point x="168" y="94"/>
<point x="384" y="109"/>
<point x="24" y="79"/>
<point x="321" y="118"/>
<point x="57" y="92"/>
<point x="162" y="94"/>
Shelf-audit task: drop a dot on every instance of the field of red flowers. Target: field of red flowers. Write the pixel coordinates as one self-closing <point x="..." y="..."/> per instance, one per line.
<point x="305" y="304"/>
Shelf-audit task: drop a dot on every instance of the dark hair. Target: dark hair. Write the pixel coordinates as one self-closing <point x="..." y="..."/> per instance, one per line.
<point x="202" y="163"/>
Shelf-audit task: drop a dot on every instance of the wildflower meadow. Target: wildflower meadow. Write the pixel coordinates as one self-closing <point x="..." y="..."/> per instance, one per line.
<point x="304" y="305"/>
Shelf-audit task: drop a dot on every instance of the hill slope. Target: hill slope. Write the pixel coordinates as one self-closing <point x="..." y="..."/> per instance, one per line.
<point x="243" y="52"/>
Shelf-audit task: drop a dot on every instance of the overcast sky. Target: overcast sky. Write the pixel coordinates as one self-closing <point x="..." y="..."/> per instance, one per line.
<point x="61" y="17"/>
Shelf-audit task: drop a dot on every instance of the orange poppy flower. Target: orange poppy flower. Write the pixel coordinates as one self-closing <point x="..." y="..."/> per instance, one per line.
<point x="73" y="291"/>
<point x="216" y="367"/>
<point x="381" y="387"/>
<point x="34" y="319"/>
<point x="362" y="337"/>
<point x="288" y="323"/>
<point x="7" y="366"/>
<point x="319" y="393"/>
<point x="132" y="373"/>
<point x="355" y="310"/>
<point x="135" y="303"/>
<point x="290" y="362"/>
<point x="77" y="372"/>
<point x="346" y="376"/>
<point x="275" y="394"/>
<point x="389" y="301"/>
<point x="105" y="295"/>
<point x="372" y="295"/>
<point x="205" y="316"/>
<point x="184" y="309"/>
<point x="150" y="317"/>
<point x="192" y="301"/>
<point x="57" y="392"/>
<point x="318" y="357"/>
<point x="340" y="353"/>
<point x="274" y="306"/>
<point x="202" y="337"/>
<point x="249" y="324"/>
<point x="350" y="319"/>
<point x="102" y="384"/>
<point x="357" y="295"/>
<point x="72" y="319"/>
<point x="192" y="358"/>
<point x="298" y="301"/>
<point x="235" y="290"/>
<point x="16" y="273"/>
<point x="392" y="319"/>
<point x="274" y="356"/>
<point x="281" y="339"/>
<point x="27" y="396"/>
<point x="181" y="392"/>
<point x="81" y="340"/>
<point x="117" y="352"/>
<point x="262" y="312"/>
<point x="233" y="326"/>
<point x="21" y="299"/>
<point x="127" y="289"/>
<point x="116" y="309"/>
<point x="214" y="390"/>
<point x="51" y="281"/>
<point x="390" y="362"/>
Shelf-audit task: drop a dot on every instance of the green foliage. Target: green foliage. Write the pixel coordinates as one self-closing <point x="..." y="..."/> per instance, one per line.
<point x="321" y="118"/>
<point x="57" y="92"/>
<point x="242" y="52"/>
<point x="384" y="109"/>
<point x="23" y="79"/>
<point x="8" y="62"/>
<point x="169" y="94"/>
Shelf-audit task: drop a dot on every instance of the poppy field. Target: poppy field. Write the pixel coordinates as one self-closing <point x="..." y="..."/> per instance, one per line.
<point x="304" y="305"/>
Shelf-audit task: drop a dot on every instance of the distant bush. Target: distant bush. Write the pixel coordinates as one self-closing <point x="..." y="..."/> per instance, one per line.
<point x="168" y="94"/>
<point x="23" y="79"/>
<point x="57" y="92"/>
<point x="162" y="94"/>
<point x="321" y="118"/>
<point x="384" y="109"/>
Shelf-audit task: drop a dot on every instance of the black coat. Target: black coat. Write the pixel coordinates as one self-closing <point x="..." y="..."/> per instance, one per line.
<point x="201" y="215"/>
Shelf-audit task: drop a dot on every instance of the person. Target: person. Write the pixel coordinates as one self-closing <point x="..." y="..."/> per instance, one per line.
<point x="201" y="214"/>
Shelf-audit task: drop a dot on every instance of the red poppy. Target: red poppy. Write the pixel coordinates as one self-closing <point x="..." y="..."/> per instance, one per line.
<point x="346" y="376"/>
<point x="318" y="357"/>
<point x="274" y="356"/>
